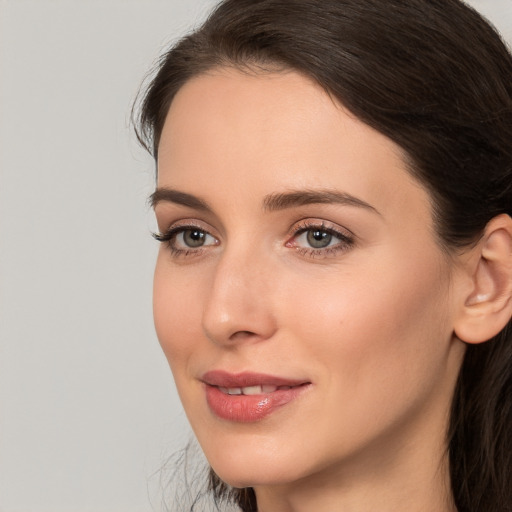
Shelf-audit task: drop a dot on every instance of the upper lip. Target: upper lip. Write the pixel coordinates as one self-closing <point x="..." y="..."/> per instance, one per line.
<point x="225" y="379"/>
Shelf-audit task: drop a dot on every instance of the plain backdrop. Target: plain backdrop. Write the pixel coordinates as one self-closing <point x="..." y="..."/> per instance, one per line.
<point x="88" y="411"/>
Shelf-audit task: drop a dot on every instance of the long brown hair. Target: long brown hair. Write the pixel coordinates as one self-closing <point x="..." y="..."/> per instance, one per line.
<point x="434" y="77"/>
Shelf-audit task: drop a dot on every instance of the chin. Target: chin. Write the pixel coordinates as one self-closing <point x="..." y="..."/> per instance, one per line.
<point x="251" y="468"/>
<point x="247" y="475"/>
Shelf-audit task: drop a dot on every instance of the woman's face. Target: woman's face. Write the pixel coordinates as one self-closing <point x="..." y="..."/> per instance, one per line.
<point x="300" y="296"/>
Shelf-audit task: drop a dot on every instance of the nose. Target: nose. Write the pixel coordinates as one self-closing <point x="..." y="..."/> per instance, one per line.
<point x="239" y="307"/>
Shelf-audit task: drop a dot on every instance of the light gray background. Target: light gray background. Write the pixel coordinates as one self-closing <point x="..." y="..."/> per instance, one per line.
<point x="88" y="412"/>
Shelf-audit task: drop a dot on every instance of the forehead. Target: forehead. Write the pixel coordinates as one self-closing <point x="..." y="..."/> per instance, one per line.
<point x="270" y="132"/>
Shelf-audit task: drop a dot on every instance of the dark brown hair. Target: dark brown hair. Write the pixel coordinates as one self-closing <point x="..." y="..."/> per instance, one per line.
<point x="433" y="76"/>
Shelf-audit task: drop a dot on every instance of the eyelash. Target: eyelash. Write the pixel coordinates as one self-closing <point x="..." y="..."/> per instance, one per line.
<point x="169" y="238"/>
<point x="345" y="240"/>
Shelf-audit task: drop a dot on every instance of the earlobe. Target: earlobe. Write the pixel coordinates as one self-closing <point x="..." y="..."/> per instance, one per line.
<point x="487" y="309"/>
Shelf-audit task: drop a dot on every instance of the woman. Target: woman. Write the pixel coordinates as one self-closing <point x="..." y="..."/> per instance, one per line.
<point x="334" y="287"/>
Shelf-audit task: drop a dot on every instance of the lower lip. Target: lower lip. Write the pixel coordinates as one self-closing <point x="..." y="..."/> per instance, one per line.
<point x="249" y="408"/>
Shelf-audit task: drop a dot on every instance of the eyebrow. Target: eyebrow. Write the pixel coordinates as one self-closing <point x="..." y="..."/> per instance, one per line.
<point x="177" y="197"/>
<point x="281" y="201"/>
<point x="271" y="202"/>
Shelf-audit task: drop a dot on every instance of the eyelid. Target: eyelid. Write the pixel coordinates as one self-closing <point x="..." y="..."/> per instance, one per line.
<point x="184" y="223"/>
<point x="170" y="234"/>
<point x="307" y="224"/>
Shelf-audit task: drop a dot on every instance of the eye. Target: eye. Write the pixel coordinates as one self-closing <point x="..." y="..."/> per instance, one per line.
<point x="186" y="240"/>
<point x="317" y="239"/>
<point x="193" y="238"/>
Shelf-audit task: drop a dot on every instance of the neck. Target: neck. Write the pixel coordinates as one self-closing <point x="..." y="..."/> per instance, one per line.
<point x="386" y="493"/>
<point x="416" y="488"/>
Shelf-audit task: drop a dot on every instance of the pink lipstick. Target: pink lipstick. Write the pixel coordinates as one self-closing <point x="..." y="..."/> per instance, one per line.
<point x="249" y="397"/>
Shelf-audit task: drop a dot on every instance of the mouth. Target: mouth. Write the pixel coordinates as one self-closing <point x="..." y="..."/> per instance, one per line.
<point x="246" y="380"/>
<point x="249" y="397"/>
<point x="254" y="390"/>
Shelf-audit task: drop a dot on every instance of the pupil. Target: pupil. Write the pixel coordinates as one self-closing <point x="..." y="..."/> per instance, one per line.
<point x="319" y="239"/>
<point x="193" y="238"/>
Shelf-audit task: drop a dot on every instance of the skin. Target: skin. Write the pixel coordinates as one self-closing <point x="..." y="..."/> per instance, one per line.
<point x="369" y="322"/>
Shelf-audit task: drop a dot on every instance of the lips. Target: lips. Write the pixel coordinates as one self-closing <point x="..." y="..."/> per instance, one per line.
<point x="249" y="397"/>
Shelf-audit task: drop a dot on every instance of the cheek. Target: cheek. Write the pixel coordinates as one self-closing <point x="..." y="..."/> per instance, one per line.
<point x="175" y="310"/>
<point x="371" y="326"/>
<point x="377" y="343"/>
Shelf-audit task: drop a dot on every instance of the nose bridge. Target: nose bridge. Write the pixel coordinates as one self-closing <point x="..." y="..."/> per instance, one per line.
<point x="239" y="304"/>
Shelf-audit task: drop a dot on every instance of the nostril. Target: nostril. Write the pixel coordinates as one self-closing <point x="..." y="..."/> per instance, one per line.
<point x="240" y="335"/>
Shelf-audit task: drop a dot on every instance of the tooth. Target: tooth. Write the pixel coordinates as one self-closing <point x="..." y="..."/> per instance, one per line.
<point x="284" y="387"/>
<point x="224" y="390"/>
<point x="235" y="391"/>
<point x="268" y="388"/>
<point x="252" y="390"/>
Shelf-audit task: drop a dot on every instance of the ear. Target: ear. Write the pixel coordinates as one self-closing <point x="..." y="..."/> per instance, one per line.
<point x="487" y="307"/>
